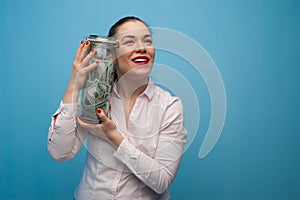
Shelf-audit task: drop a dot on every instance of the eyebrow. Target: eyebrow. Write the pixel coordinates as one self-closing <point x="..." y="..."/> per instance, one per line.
<point x="132" y="36"/>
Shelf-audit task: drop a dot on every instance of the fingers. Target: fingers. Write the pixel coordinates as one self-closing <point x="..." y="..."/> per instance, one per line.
<point x="82" y="60"/>
<point x="90" y="67"/>
<point x="101" y="115"/>
<point x="84" y="50"/>
<point x="81" y="57"/>
<point x="88" y="57"/>
<point x="81" y="51"/>
<point x="87" y="126"/>
<point x="80" y="122"/>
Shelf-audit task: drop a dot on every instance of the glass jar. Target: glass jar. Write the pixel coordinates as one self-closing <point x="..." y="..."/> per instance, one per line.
<point x="97" y="90"/>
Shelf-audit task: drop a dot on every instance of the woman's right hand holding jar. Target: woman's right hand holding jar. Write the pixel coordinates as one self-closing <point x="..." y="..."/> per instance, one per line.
<point x="80" y="70"/>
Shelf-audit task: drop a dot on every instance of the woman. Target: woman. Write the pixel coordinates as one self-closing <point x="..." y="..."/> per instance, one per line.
<point x="134" y="153"/>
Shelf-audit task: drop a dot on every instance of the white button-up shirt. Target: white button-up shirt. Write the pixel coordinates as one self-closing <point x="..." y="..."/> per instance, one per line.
<point x="145" y="163"/>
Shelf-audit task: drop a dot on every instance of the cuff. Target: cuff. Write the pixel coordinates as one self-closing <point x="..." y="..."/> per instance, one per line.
<point x="126" y="152"/>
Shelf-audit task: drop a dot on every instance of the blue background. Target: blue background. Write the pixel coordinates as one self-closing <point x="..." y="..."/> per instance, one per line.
<point x="255" y="44"/>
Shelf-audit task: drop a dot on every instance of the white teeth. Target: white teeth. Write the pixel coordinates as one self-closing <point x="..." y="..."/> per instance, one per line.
<point x="140" y="60"/>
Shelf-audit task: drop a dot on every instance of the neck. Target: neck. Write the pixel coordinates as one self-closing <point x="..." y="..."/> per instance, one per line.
<point x="129" y="88"/>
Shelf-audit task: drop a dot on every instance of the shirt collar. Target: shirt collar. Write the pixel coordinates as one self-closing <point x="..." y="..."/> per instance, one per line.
<point x="149" y="91"/>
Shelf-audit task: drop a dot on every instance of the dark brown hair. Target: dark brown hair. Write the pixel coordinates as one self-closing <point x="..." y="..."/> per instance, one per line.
<point x="114" y="29"/>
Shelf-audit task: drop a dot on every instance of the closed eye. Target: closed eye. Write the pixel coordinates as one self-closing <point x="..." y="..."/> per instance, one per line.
<point x="148" y="42"/>
<point x="128" y="42"/>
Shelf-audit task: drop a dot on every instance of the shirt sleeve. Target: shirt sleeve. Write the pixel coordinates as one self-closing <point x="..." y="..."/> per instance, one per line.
<point x="159" y="171"/>
<point x="64" y="139"/>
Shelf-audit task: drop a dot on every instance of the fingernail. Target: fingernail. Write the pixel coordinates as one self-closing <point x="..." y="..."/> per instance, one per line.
<point x="98" y="110"/>
<point x="97" y="62"/>
<point x="93" y="50"/>
<point x="81" y="42"/>
<point x="87" y="42"/>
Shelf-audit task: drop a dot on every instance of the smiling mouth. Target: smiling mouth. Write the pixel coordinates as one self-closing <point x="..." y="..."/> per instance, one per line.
<point x="141" y="60"/>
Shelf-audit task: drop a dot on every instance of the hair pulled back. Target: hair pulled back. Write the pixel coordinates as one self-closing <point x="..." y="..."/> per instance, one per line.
<point x="114" y="29"/>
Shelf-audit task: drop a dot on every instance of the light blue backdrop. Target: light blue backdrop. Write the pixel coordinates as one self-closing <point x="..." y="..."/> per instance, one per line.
<point x="255" y="44"/>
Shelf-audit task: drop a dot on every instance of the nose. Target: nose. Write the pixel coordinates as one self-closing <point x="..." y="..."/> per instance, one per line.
<point x="140" y="47"/>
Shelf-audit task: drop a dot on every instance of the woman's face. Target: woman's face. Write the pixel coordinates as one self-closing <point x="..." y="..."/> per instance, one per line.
<point x="136" y="51"/>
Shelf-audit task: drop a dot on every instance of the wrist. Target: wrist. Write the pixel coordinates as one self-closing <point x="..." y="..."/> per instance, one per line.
<point x="71" y="95"/>
<point x="116" y="138"/>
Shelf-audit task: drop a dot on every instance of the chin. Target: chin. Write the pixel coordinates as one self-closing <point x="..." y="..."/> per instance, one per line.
<point x="142" y="71"/>
<point x="139" y="72"/>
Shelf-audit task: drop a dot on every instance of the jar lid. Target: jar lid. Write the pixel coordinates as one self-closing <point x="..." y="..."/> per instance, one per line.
<point x="102" y="39"/>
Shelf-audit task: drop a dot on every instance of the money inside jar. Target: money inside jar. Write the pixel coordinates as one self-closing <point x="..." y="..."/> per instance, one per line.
<point x="96" y="92"/>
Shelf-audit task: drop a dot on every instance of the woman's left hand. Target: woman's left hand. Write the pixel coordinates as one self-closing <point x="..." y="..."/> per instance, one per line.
<point x="107" y="129"/>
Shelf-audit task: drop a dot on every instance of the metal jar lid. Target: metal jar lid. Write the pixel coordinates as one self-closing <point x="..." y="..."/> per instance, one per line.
<point x="102" y="39"/>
